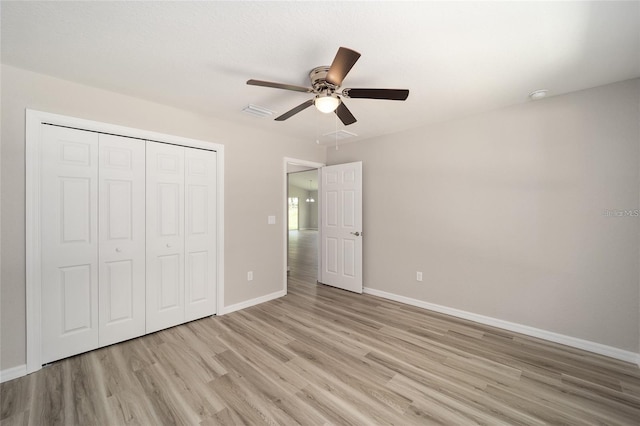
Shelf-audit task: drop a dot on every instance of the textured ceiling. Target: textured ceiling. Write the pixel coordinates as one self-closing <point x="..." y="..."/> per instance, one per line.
<point x="457" y="58"/>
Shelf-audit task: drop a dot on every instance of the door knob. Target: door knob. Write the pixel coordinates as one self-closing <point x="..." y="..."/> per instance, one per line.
<point x="168" y="245"/>
<point x="118" y="250"/>
<point x="357" y="234"/>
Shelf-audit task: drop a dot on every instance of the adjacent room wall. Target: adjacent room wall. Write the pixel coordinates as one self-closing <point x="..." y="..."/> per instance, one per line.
<point x="253" y="186"/>
<point x="307" y="212"/>
<point x="312" y="222"/>
<point x="505" y="214"/>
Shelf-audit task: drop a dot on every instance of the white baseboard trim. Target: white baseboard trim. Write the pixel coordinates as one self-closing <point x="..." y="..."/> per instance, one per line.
<point x="13" y="373"/>
<point x="252" y="302"/>
<point x="574" y="342"/>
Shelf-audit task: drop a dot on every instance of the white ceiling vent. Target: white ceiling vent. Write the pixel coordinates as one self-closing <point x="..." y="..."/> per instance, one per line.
<point x="339" y="135"/>
<point x="257" y="111"/>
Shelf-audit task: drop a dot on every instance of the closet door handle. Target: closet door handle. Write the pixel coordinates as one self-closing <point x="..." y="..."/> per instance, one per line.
<point x="118" y="250"/>
<point x="168" y="245"/>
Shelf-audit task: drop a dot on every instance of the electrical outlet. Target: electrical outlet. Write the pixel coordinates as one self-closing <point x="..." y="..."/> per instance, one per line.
<point x="250" y="276"/>
<point x="418" y="276"/>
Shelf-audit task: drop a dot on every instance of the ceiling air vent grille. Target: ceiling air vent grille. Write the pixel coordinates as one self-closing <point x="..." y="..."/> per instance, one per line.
<point x="339" y="135"/>
<point x="257" y="111"/>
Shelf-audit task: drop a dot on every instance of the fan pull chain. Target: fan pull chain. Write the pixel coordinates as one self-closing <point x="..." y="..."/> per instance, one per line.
<point x="336" y="133"/>
<point x="317" y="130"/>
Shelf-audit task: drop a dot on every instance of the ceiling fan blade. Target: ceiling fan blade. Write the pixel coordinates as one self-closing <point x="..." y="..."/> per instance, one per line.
<point x="342" y="64"/>
<point x="295" y="110"/>
<point x="279" y="86"/>
<point x="344" y="114"/>
<point x="389" y="94"/>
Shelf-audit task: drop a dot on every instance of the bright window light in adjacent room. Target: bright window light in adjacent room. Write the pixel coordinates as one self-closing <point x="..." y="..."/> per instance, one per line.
<point x="327" y="104"/>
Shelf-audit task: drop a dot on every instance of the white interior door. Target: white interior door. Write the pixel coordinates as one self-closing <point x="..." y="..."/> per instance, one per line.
<point x="165" y="236"/>
<point x="121" y="239"/>
<point x="69" y="227"/>
<point x="341" y="229"/>
<point x="200" y="233"/>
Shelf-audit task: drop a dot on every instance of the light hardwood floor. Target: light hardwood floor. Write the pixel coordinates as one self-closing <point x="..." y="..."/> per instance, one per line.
<point x="303" y="255"/>
<point x="325" y="356"/>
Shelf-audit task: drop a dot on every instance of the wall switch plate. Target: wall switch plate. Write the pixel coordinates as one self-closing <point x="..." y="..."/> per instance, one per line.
<point x="250" y="276"/>
<point x="418" y="276"/>
<point x="271" y="220"/>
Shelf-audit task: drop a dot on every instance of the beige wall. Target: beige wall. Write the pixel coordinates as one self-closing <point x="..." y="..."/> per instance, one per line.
<point x="250" y="244"/>
<point x="503" y="213"/>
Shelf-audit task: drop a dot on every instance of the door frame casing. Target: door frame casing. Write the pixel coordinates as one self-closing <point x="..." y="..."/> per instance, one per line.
<point x="33" y="141"/>
<point x="285" y="186"/>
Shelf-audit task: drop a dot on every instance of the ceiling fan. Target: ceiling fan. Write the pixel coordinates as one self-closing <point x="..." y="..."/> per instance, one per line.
<point x="325" y="84"/>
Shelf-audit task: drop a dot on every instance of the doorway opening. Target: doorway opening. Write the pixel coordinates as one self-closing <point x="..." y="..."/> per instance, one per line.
<point x="302" y="251"/>
<point x="337" y="244"/>
<point x="302" y="207"/>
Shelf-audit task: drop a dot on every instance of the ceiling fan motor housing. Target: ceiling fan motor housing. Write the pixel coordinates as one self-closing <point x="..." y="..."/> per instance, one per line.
<point x="318" y="77"/>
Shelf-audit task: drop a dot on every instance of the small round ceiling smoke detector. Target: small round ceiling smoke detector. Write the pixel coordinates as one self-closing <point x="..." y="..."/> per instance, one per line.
<point x="538" y="94"/>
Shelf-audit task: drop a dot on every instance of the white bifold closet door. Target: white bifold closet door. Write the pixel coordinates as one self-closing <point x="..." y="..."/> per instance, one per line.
<point x="93" y="241"/>
<point x="69" y="242"/>
<point x="181" y="223"/>
<point x="200" y="233"/>
<point x="128" y="238"/>
<point x="121" y="233"/>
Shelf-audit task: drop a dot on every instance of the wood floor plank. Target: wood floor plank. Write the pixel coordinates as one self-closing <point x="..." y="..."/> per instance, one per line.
<point x="440" y="406"/>
<point x="225" y="417"/>
<point x="168" y="406"/>
<point x="352" y="372"/>
<point x="258" y="358"/>
<point x="241" y="403"/>
<point x="47" y="403"/>
<point x="320" y="355"/>
<point x="234" y="325"/>
<point x="86" y="388"/>
<point x="564" y="400"/>
<point x="16" y="398"/>
<point x="278" y="390"/>
<point x="130" y="408"/>
<point x="17" y="419"/>
<point x="338" y="410"/>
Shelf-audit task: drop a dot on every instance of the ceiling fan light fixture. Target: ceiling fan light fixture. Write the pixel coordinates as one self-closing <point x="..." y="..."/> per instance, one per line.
<point x="327" y="104"/>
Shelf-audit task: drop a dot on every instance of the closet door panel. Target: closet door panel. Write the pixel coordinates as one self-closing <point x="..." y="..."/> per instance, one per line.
<point x="122" y="238"/>
<point x="200" y="233"/>
<point x="165" y="236"/>
<point x="69" y="242"/>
